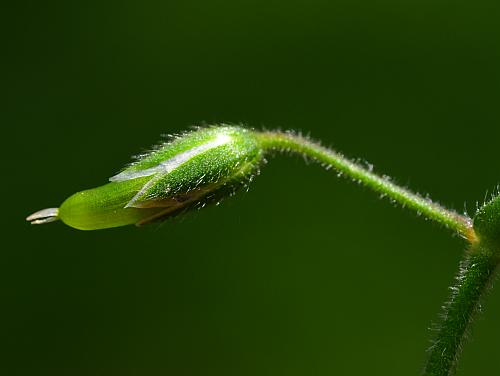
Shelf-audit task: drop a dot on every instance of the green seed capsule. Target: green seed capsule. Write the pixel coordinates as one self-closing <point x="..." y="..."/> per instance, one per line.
<point x="196" y="168"/>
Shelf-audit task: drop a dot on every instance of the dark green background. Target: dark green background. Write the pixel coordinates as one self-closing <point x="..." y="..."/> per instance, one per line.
<point x="305" y="274"/>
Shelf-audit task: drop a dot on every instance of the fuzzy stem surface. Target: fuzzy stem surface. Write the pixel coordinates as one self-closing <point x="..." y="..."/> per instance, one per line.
<point x="473" y="280"/>
<point x="290" y="142"/>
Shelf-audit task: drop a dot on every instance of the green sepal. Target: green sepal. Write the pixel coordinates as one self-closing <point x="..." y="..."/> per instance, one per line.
<point x="183" y="168"/>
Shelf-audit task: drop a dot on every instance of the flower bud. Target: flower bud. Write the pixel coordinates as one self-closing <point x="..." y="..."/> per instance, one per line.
<point x="196" y="168"/>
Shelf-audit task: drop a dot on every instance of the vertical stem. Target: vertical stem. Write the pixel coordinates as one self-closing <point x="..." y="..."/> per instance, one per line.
<point x="473" y="280"/>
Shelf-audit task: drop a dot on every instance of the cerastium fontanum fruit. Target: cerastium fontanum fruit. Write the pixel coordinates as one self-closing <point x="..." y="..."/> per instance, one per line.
<point x="208" y="164"/>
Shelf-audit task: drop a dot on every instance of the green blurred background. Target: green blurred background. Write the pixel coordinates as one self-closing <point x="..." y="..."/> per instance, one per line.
<point x="305" y="274"/>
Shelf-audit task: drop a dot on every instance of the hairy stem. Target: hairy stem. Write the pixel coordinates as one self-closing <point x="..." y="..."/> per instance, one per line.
<point x="474" y="278"/>
<point x="476" y="271"/>
<point x="289" y="142"/>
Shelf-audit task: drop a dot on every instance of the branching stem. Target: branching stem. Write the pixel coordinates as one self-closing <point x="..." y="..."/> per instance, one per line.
<point x="290" y="142"/>
<point x="209" y="164"/>
<point x="476" y="271"/>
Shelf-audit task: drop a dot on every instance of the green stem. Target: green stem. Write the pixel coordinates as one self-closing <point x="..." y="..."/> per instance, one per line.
<point x="476" y="271"/>
<point x="280" y="141"/>
<point x="474" y="278"/>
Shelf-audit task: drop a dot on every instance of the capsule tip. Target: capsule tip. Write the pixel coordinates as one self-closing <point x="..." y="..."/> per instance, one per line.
<point x="44" y="216"/>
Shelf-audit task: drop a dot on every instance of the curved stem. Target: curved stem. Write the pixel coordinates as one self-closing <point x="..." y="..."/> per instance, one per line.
<point x="280" y="141"/>
<point x="476" y="271"/>
<point x="474" y="278"/>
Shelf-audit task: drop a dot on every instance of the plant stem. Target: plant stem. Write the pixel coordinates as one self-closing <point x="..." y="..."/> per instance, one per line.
<point x="474" y="278"/>
<point x="290" y="142"/>
<point x="476" y="271"/>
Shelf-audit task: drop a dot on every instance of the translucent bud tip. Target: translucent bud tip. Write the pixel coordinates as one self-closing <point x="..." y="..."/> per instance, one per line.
<point x="44" y="216"/>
